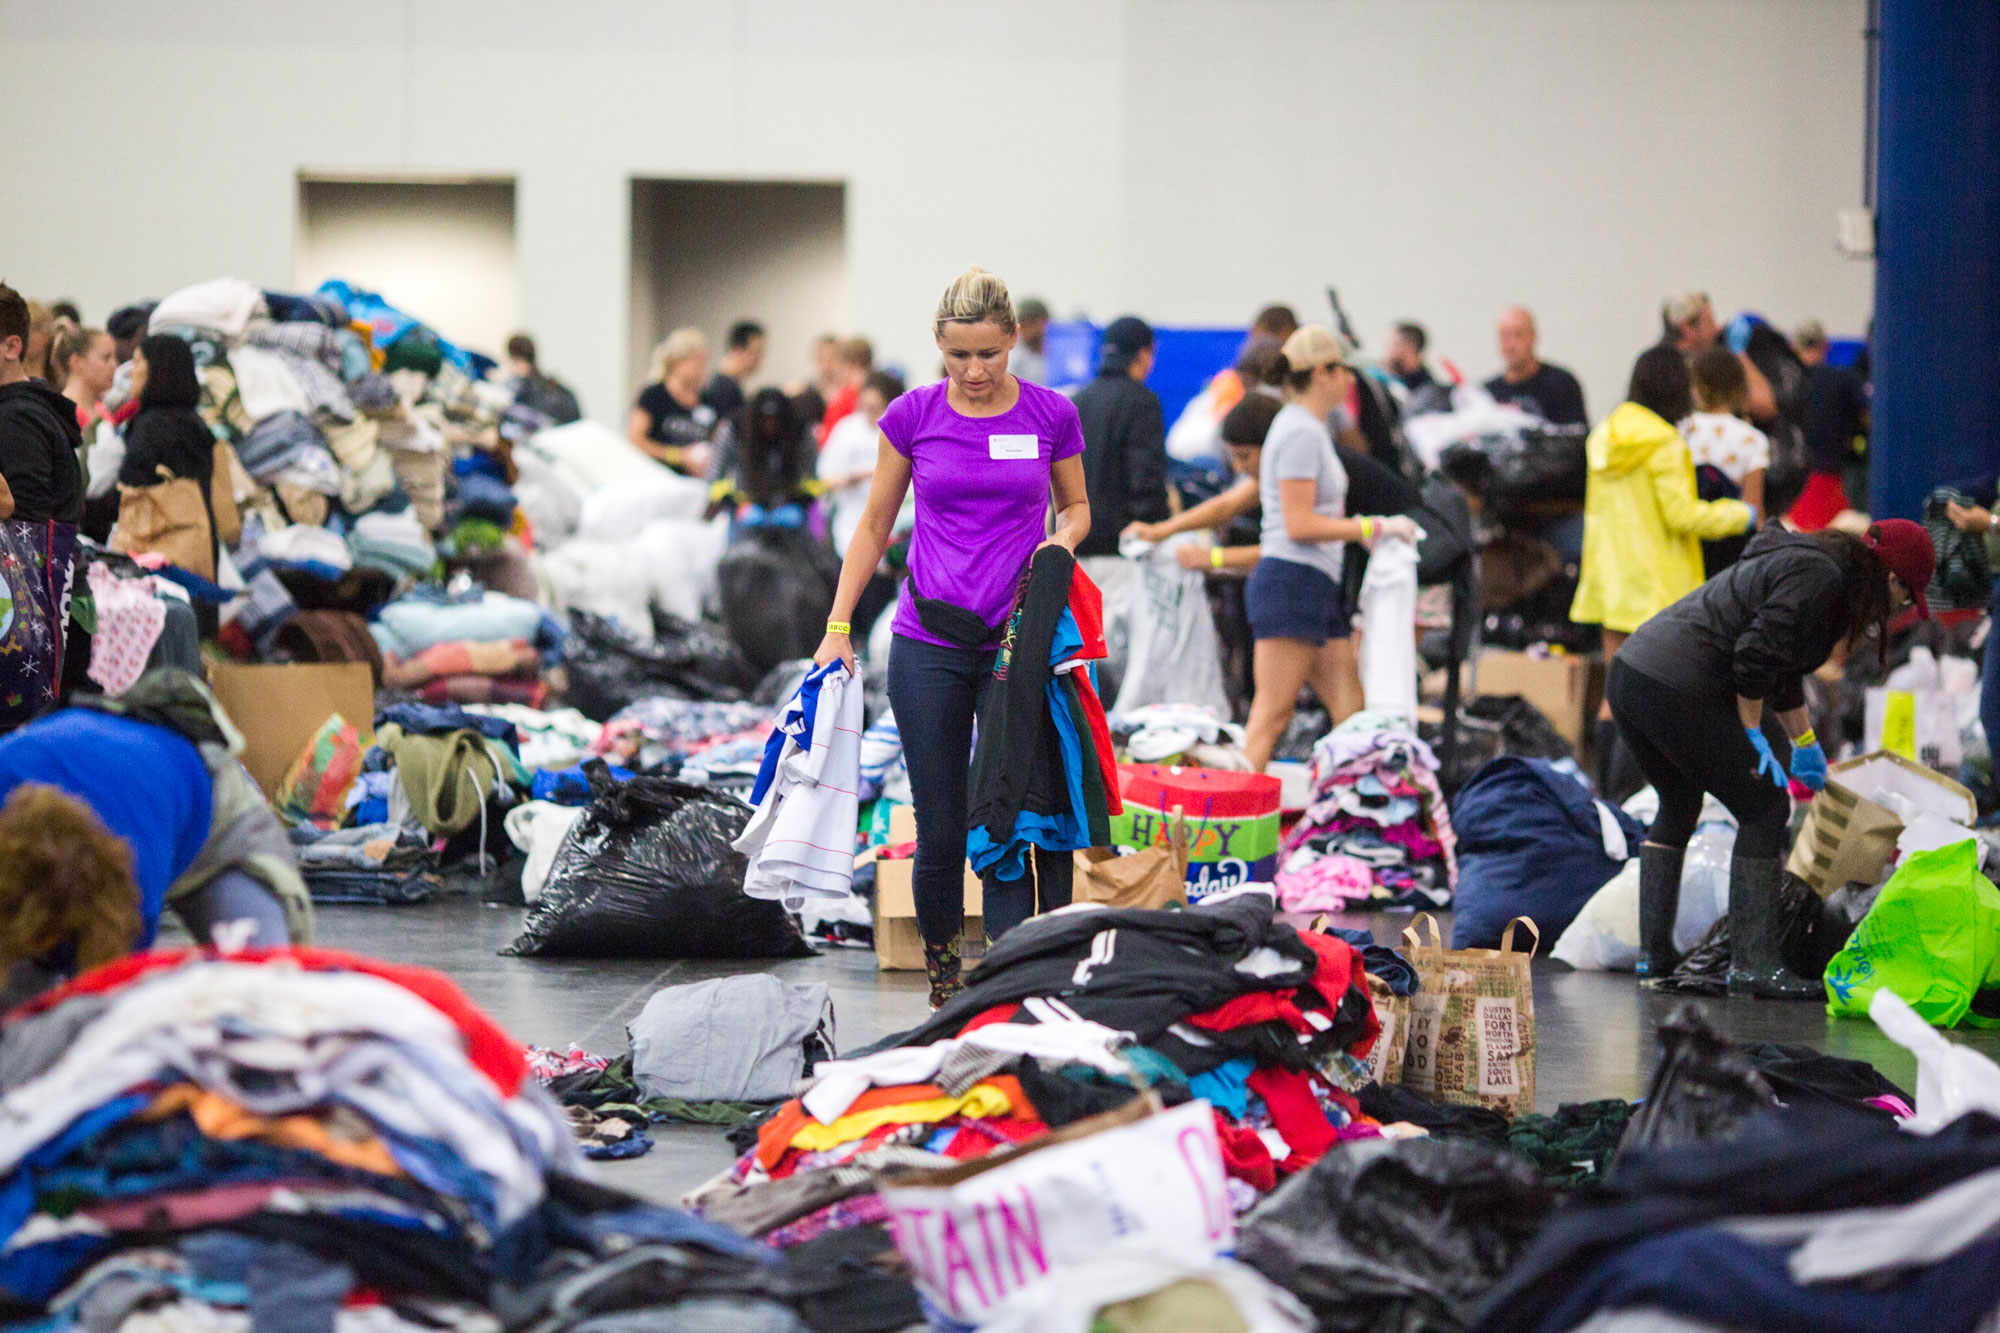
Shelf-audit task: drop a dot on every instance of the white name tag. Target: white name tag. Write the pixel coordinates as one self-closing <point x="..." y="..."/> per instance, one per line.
<point x="1013" y="446"/>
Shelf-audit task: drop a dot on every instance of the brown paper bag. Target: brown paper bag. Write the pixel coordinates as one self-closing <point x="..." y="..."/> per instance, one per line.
<point x="1151" y="877"/>
<point x="1847" y="837"/>
<point x="1472" y="1021"/>
<point x="168" y="519"/>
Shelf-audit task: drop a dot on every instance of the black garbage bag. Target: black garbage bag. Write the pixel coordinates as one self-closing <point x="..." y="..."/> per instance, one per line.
<point x="776" y="585"/>
<point x="1702" y="1089"/>
<point x="1491" y="725"/>
<point x="1388" y="1236"/>
<point x="1814" y="932"/>
<point x="648" y="872"/>
<point x="609" y="669"/>
<point x="1519" y="476"/>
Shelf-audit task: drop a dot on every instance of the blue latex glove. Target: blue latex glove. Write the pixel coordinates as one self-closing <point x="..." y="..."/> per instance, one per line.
<point x="1738" y="334"/>
<point x="1809" y="765"/>
<point x="1767" y="763"/>
<point x="1756" y="517"/>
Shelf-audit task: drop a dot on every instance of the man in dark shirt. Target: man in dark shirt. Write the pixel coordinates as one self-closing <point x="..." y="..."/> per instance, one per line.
<point x="1836" y="404"/>
<point x="1405" y="358"/>
<point x="39" y="438"/>
<point x="1124" y="438"/>
<point x="1536" y="387"/>
<point x="741" y="357"/>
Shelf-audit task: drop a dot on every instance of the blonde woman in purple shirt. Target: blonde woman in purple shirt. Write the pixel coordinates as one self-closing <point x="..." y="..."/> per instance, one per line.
<point x="988" y="454"/>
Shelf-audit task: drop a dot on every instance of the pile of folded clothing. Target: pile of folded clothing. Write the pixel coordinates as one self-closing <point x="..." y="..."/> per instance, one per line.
<point x="1376" y="833"/>
<point x="301" y="1138"/>
<point x="372" y="864"/>
<point x="325" y="1120"/>
<point x="1069" y="1015"/>
<point x="472" y="673"/>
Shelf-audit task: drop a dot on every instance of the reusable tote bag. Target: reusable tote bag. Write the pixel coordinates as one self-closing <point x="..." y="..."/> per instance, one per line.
<point x="36" y="564"/>
<point x="1472" y="1020"/>
<point x="169" y="518"/>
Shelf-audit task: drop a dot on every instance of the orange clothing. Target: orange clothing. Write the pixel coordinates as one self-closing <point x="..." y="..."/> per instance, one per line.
<point x="219" y="1118"/>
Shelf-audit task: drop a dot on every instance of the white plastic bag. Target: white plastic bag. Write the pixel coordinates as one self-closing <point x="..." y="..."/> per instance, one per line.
<point x="1173" y="657"/>
<point x="604" y="578"/>
<point x="1605" y="935"/>
<point x="1951" y="1079"/>
<point x="617" y="513"/>
<point x="680" y="556"/>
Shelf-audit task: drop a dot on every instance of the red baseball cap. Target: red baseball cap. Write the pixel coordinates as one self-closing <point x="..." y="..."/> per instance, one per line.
<point x="1907" y="550"/>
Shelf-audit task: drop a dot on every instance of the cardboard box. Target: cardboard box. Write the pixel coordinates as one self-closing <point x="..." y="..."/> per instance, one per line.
<point x="278" y="708"/>
<point x="898" y="945"/>
<point x="1566" y="689"/>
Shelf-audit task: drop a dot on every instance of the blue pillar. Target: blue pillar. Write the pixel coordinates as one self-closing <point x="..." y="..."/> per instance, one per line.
<point x="1936" y="348"/>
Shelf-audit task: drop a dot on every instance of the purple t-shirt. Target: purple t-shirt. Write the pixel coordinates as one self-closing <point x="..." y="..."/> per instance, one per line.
<point x="982" y="494"/>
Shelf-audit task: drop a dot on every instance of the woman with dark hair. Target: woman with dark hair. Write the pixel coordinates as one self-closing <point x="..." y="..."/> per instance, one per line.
<point x="764" y="468"/>
<point x="1643" y="524"/>
<point x="167" y="432"/>
<point x="1690" y="690"/>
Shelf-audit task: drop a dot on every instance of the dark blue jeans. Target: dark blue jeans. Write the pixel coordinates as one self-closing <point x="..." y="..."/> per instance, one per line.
<point x="935" y="692"/>
<point x="1989" y="682"/>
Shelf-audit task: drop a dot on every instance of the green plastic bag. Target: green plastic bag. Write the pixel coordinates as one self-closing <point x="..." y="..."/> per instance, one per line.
<point x="1932" y="938"/>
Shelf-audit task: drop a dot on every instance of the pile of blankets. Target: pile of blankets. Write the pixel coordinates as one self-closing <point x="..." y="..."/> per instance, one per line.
<point x="1069" y="1015"/>
<point x="1377" y="833"/>
<point x="301" y="1138"/>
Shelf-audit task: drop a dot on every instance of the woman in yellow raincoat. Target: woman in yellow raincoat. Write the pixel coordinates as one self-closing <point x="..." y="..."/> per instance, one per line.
<point x="1642" y="523"/>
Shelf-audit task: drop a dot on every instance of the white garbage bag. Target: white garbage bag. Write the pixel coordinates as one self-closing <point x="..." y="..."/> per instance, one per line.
<point x="618" y="513"/>
<point x="680" y="556"/>
<point x="604" y="578"/>
<point x="1605" y="935"/>
<point x="1173" y="656"/>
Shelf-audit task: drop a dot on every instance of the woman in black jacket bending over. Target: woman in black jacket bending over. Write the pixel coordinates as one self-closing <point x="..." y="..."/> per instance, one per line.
<point x="1689" y="690"/>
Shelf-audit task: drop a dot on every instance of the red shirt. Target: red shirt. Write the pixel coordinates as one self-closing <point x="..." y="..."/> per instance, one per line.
<point x="839" y="406"/>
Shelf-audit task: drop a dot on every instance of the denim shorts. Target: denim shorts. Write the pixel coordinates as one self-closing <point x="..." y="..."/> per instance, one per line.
<point x="1288" y="600"/>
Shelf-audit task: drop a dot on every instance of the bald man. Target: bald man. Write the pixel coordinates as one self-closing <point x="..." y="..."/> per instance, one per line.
<point x="1533" y="385"/>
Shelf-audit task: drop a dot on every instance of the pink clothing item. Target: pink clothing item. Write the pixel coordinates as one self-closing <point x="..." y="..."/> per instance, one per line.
<point x="981" y="486"/>
<point x="130" y="617"/>
<point x="1328" y="884"/>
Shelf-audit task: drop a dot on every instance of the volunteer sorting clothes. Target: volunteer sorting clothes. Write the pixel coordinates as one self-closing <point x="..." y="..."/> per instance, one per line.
<point x="119" y="809"/>
<point x="1297" y="613"/>
<point x="1689" y="691"/>
<point x="985" y="452"/>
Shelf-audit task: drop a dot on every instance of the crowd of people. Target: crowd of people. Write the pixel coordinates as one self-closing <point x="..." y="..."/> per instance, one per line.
<point x="988" y="552"/>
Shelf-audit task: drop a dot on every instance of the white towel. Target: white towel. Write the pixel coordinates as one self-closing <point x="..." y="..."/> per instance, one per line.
<point x="801" y="840"/>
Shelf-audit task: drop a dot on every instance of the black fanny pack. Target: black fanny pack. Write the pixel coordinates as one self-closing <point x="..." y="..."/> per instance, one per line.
<point x="952" y="622"/>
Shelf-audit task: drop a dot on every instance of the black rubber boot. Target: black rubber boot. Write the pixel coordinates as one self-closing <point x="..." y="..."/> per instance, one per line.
<point x="1604" y="740"/>
<point x="1757" y="935"/>
<point x="1659" y="907"/>
<point x="942" y="965"/>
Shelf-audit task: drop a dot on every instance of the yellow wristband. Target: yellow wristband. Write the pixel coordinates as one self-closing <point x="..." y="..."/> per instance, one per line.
<point x="839" y="627"/>
<point x="1367" y="529"/>
<point x="1215" y="557"/>
<point x="1805" y="737"/>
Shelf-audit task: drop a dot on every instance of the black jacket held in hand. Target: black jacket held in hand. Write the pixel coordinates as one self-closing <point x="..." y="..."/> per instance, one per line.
<point x="1756" y="629"/>
<point x="1124" y="458"/>
<point x="39" y="441"/>
<point x="1018" y="763"/>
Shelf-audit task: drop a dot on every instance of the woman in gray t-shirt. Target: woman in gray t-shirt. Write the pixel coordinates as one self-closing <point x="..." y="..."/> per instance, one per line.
<point x="1294" y="596"/>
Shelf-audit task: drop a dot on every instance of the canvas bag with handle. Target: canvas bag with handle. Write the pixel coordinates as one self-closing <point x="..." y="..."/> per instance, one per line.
<point x="1472" y="1020"/>
<point x="169" y="518"/>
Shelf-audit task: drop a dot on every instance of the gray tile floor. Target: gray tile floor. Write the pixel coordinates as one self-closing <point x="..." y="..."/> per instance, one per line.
<point x="1594" y="1029"/>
